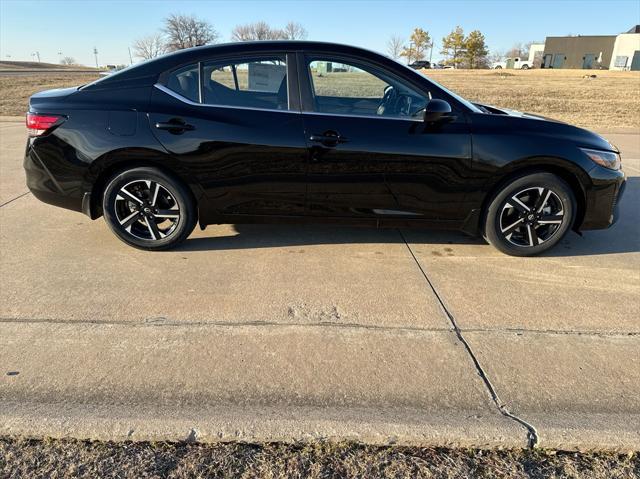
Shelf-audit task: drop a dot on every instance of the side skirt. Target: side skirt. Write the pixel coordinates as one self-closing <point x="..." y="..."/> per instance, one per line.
<point x="346" y="221"/>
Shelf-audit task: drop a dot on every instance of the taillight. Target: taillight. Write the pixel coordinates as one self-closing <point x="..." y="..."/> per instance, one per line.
<point x="39" y="124"/>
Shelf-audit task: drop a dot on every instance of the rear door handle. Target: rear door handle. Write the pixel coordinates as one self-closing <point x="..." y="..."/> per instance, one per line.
<point x="175" y="126"/>
<point x="328" y="138"/>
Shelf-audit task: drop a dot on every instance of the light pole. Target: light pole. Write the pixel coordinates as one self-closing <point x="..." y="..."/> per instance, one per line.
<point x="95" y="54"/>
<point x="410" y="52"/>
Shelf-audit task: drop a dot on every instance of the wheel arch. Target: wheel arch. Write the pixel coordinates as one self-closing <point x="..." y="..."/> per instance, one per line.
<point x="572" y="174"/>
<point x="114" y="162"/>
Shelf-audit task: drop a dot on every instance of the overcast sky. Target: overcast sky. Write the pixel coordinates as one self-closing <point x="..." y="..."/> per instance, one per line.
<point x="74" y="28"/>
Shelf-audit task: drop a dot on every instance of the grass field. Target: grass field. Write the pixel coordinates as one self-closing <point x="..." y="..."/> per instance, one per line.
<point x="9" y="65"/>
<point x="67" y="458"/>
<point x="15" y="90"/>
<point x="609" y="101"/>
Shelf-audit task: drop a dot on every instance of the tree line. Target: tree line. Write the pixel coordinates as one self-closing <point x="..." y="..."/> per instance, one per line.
<point x="185" y="31"/>
<point x="459" y="50"/>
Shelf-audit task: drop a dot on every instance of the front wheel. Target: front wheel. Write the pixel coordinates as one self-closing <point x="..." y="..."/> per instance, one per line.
<point x="525" y="67"/>
<point x="530" y="215"/>
<point x="148" y="209"/>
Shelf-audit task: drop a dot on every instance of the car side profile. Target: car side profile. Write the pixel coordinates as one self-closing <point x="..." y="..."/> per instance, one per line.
<point x="289" y="131"/>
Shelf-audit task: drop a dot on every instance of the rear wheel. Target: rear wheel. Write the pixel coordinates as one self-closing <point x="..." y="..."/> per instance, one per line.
<point x="530" y="215"/>
<point x="525" y="67"/>
<point x="149" y="209"/>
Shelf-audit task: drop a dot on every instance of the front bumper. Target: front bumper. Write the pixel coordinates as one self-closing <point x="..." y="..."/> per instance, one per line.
<point x="603" y="198"/>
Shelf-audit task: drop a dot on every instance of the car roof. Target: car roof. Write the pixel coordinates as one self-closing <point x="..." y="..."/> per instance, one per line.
<point x="150" y="69"/>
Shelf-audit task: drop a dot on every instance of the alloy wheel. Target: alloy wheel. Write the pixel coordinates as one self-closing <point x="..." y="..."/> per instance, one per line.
<point x="147" y="209"/>
<point x="531" y="216"/>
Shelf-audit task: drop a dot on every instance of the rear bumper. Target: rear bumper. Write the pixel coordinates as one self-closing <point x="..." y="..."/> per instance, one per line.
<point x="46" y="187"/>
<point x="603" y="198"/>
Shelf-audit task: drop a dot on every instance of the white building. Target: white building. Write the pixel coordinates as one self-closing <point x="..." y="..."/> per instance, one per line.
<point x="626" y="51"/>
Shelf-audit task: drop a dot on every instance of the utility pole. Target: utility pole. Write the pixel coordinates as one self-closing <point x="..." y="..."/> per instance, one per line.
<point x="95" y="54"/>
<point x="410" y="52"/>
<point x="431" y="52"/>
<point x="130" y="57"/>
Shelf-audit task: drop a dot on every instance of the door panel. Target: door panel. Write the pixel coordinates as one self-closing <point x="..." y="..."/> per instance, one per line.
<point x="387" y="167"/>
<point x="248" y="161"/>
<point x="378" y="160"/>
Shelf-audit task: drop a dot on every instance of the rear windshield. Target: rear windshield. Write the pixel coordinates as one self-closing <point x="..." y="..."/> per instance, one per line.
<point x="116" y="74"/>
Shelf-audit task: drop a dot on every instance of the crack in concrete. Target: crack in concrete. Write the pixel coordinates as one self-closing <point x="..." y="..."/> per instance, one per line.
<point x="158" y="322"/>
<point x="532" y="435"/>
<point x="13" y="199"/>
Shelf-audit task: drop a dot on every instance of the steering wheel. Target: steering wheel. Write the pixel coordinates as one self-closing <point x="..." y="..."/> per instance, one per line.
<point x="394" y="103"/>
<point x="386" y="106"/>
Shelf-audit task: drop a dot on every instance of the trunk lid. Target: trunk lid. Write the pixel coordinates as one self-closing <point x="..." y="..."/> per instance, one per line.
<point x="44" y="100"/>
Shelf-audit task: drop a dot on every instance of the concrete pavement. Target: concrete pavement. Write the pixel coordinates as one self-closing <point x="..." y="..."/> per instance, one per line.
<point x="294" y="332"/>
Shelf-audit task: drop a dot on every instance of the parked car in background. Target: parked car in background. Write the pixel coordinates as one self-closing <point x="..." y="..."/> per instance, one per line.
<point x="420" y="64"/>
<point x="315" y="132"/>
<point x="515" y="63"/>
<point x="442" y="66"/>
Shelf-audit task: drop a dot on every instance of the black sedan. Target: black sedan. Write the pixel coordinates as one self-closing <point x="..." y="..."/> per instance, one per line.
<point x="307" y="131"/>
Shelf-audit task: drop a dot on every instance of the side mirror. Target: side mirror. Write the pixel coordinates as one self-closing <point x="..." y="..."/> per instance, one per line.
<point x="437" y="110"/>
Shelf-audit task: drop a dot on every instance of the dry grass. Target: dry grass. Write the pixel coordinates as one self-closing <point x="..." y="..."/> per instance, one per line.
<point x="68" y="458"/>
<point x="15" y="90"/>
<point x="9" y="65"/>
<point x="611" y="100"/>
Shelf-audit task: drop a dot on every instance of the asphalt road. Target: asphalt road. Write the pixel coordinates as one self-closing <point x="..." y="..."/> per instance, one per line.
<point x="262" y="332"/>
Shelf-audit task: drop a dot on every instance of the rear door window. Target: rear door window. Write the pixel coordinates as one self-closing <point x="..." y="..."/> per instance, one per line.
<point x="247" y="83"/>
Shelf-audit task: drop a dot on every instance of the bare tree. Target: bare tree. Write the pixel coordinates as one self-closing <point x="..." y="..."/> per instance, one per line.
<point x="395" y="46"/>
<point x="68" y="61"/>
<point x="256" y="31"/>
<point x="150" y="46"/>
<point x="517" y="50"/>
<point x="185" y="31"/>
<point x="496" y="56"/>
<point x="294" y="31"/>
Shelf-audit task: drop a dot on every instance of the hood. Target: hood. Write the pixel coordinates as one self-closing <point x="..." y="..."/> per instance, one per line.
<point x="540" y="125"/>
<point x="494" y="110"/>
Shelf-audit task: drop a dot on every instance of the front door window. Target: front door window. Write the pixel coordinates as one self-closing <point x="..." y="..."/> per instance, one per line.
<point x="349" y="89"/>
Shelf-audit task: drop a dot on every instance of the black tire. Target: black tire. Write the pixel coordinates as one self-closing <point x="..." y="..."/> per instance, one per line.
<point x="148" y="209"/>
<point x="525" y="67"/>
<point x="517" y="225"/>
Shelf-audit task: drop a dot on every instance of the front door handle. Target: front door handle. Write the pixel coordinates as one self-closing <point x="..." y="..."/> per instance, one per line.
<point x="175" y="126"/>
<point x="328" y="138"/>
